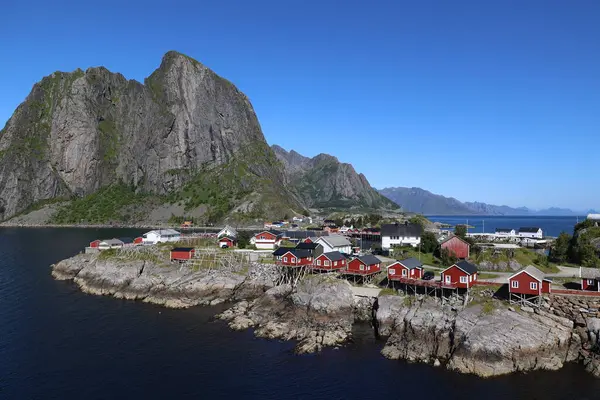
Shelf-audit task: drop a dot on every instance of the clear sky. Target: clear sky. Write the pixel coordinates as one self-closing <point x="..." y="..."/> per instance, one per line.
<point x="495" y="101"/>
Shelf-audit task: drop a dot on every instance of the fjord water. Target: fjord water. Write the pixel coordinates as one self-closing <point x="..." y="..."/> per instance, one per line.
<point x="59" y="343"/>
<point x="552" y="226"/>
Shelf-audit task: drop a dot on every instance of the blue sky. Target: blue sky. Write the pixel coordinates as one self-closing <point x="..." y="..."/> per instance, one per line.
<point x="495" y="101"/>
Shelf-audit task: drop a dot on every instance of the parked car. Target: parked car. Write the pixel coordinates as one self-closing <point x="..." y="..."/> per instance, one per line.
<point x="428" y="275"/>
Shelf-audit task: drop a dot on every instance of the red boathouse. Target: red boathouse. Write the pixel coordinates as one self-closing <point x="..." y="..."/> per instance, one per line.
<point x="334" y="260"/>
<point x="182" y="253"/>
<point x="526" y="286"/>
<point x="461" y="275"/>
<point x="138" y="240"/>
<point x="296" y="258"/>
<point x="364" y="265"/>
<point x="95" y="244"/>
<point x="590" y="279"/>
<point x="410" y="268"/>
<point x="226" y="242"/>
<point x="456" y="246"/>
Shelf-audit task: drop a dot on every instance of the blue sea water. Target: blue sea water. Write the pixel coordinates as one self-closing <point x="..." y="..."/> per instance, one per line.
<point x="59" y="343"/>
<point x="552" y="226"/>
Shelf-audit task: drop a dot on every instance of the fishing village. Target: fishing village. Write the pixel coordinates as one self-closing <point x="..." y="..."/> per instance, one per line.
<point x="313" y="285"/>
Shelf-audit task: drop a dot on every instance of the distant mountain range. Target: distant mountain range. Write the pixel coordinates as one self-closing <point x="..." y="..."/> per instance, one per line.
<point x="325" y="182"/>
<point x="424" y="202"/>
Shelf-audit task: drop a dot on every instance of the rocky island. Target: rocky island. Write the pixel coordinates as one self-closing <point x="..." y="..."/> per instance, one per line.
<point x="320" y="311"/>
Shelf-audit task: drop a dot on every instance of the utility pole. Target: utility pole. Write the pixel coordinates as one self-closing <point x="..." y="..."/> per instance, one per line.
<point x="483" y="221"/>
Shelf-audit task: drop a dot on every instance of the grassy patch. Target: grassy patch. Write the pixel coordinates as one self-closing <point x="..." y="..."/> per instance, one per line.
<point x="486" y="275"/>
<point x="388" y="292"/>
<point x="106" y="205"/>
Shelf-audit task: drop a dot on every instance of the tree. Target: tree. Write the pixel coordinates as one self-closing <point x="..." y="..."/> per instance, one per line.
<point x="243" y="239"/>
<point x="447" y="258"/>
<point x="428" y="242"/>
<point x="418" y="220"/>
<point x="359" y="222"/>
<point x="560" y="249"/>
<point x="460" y="231"/>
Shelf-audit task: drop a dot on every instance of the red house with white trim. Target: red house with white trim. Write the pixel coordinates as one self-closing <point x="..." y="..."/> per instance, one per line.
<point x="138" y="240"/>
<point x="456" y="246"/>
<point x="266" y="240"/>
<point x="590" y="279"/>
<point x="410" y="268"/>
<point x="462" y="275"/>
<point x="226" y="242"/>
<point x="182" y="253"/>
<point x="334" y="260"/>
<point x="95" y="244"/>
<point x="296" y="258"/>
<point x="364" y="265"/>
<point x="529" y="281"/>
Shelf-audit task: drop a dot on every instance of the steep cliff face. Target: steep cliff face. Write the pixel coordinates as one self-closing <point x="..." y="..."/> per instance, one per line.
<point x="325" y="182"/>
<point x="78" y="132"/>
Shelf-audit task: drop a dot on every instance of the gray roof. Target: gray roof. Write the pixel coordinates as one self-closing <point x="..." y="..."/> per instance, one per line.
<point x="282" y="250"/>
<point x="504" y="229"/>
<point x="589" y="273"/>
<point x="335" y="240"/>
<point x="411" y="263"/>
<point x="467" y="267"/>
<point x="300" y="253"/>
<point x="334" y="256"/>
<point x="533" y="271"/>
<point x="369" y="259"/>
<point x="529" y="229"/>
<point x="404" y="230"/>
<point x="307" y="246"/>
<point x="113" y="242"/>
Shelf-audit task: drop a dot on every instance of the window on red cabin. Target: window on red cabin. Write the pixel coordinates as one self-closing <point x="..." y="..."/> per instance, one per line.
<point x="284" y="259"/>
<point x="392" y="271"/>
<point x="362" y="267"/>
<point x="514" y="284"/>
<point x="403" y="272"/>
<point x="590" y="281"/>
<point x="463" y="279"/>
<point x="533" y="285"/>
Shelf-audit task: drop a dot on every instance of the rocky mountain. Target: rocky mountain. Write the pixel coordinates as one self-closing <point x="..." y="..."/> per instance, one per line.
<point x="184" y="136"/>
<point x="324" y="182"/>
<point x="424" y="202"/>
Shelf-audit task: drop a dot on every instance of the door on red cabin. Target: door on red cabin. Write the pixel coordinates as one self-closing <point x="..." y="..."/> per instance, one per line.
<point x="448" y="279"/>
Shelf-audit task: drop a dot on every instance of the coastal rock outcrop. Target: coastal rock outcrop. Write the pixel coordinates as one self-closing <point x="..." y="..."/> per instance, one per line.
<point x="318" y="312"/>
<point x="170" y="285"/>
<point x="485" y="338"/>
<point x="470" y="340"/>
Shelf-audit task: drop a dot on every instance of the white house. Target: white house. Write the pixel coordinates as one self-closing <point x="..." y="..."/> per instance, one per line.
<point x="400" y="235"/>
<point x="227" y="231"/>
<point x="161" y="236"/>
<point x="531" y="233"/>
<point x="506" y="232"/>
<point x="335" y="243"/>
<point x="110" y="244"/>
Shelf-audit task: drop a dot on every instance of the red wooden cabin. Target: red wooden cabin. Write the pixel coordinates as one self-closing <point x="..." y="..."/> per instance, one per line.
<point x="226" y="242"/>
<point x="456" y="246"/>
<point x="138" y="240"/>
<point x="590" y="279"/>
<point x="461" y="275"/>
<point x="296" y="258"/>
<point x="530" y="281"/>
<point x="410" y="268"/>
<point x="333" y="260"/>
<point x="364" y="265"/>
<point x="95" y="243"/>
<point x="307" y="240"/>
<point x="182" y="253"/>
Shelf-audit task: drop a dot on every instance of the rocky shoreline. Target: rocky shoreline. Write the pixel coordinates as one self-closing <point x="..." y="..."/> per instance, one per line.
<point x="321" y="310"/>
